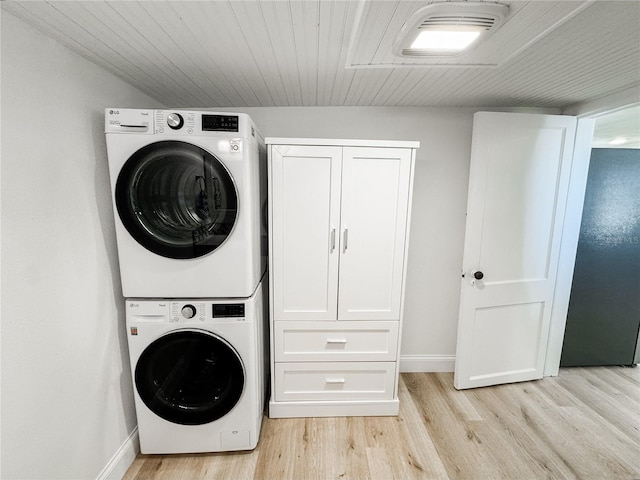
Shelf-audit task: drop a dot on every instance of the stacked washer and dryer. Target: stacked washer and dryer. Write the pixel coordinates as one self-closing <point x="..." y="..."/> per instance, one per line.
<point x="189" y="195"/>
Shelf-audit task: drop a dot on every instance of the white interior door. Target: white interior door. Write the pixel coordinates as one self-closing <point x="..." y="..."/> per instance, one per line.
<point x="520" y="168"/>
<point x="375" y="196"/>
<point x="305" y="216"/>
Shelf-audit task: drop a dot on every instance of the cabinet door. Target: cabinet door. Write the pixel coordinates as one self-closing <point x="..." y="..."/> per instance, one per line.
<point x="305" y="214"/>
<point x="375" y="198"/>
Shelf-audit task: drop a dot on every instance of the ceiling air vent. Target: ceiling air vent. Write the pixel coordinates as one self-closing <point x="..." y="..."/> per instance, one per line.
<point x="448" y="29"/>
<point x="448" y="20"/>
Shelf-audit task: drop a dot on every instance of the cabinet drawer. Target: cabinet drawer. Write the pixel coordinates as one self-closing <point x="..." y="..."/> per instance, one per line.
<point x="334" y="381"/>
<point x="335" y="341"/>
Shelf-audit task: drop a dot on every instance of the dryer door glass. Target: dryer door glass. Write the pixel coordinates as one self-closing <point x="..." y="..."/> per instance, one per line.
<point x="176" y="199"/>
<point x="189" y="377"/>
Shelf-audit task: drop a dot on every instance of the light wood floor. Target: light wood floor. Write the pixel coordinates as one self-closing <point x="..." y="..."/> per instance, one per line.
<point x="583" y="424"/>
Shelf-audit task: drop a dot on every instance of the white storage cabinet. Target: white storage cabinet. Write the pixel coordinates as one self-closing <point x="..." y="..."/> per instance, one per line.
<point x="338" y="228"/>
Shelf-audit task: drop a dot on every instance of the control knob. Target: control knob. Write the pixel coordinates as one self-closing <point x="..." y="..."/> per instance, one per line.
<point x="188" y="311"/>
<point x="175" y="121"/>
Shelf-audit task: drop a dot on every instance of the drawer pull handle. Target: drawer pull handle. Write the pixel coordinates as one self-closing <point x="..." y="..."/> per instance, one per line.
<point x="334" y="380"/>
<point x="340" y="341"/>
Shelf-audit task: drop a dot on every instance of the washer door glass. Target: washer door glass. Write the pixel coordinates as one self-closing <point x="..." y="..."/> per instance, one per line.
<point x="190" y="377"/>
<point x="176" y="199"/>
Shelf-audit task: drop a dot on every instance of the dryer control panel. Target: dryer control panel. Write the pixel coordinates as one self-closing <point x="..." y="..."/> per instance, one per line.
<point x="179" y="123"/>
<point x="173" y="121"/>
<point x="219" y="123"/>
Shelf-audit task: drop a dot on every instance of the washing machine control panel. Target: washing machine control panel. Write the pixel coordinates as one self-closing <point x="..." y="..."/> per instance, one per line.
<point x="228" y="310"/>
<point x="188" y="311"/>
<point x="197" y="311"/>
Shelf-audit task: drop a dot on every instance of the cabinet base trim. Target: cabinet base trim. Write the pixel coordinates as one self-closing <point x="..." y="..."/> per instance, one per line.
<point x="427" y="363"/>
<point x="386" y="408"/>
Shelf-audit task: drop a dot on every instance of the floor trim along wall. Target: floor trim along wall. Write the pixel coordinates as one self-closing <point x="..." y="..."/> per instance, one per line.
<point x="123" y="458"/>
<point x="427" y="363"/>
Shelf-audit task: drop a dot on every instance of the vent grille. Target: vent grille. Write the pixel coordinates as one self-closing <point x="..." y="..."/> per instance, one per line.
<point x="484" y="18"/>
<point x="458" y="21"/>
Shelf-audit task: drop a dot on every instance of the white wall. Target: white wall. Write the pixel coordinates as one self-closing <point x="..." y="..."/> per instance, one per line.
<point x="439" y="207"/>
<point x="67" y="402"/>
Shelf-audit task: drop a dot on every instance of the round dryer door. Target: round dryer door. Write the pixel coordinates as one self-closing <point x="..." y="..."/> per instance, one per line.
<point x="190" y="377"/>
<point x="176" y="199"/>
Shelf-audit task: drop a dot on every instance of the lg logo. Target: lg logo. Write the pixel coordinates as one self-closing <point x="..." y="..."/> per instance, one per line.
<point x="114" y="112"/>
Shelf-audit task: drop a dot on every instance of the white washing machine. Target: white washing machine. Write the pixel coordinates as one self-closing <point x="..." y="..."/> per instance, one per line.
<point x="189" y="196"/>
<point x="198" y="367"/>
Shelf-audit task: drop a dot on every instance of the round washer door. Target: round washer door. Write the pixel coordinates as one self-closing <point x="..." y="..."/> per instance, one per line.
<point x="176" y="199"/>
<point x="190" y="377"/>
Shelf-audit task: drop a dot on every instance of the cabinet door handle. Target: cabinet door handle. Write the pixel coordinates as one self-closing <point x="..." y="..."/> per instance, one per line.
<point x="333" y="238"/>
<point x="345" y="239"/>
<point x="341" y="341"/>
<point x="334" y="380"/>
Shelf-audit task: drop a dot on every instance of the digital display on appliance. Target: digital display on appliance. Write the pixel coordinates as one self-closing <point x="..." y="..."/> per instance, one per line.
<point x="219" y="123"/>
<point x="226" y="310"/>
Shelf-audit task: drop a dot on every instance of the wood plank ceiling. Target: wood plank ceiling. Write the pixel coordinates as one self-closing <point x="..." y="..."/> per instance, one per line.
<point x="325" y="52"/>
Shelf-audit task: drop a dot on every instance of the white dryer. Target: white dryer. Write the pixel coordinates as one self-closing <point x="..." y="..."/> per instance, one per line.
<point x="198" y="367"/>
<point x="189" y="197"/>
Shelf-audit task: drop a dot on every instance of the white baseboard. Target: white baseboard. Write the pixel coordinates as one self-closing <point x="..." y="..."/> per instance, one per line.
<point x="427" y="363"/>
<point x="123" y="458"/>
<point x="358" y="408"/>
